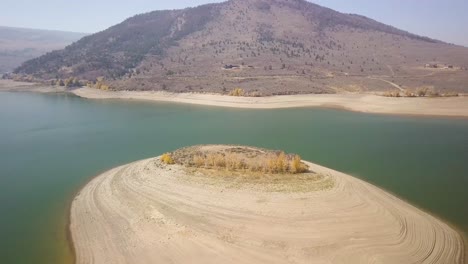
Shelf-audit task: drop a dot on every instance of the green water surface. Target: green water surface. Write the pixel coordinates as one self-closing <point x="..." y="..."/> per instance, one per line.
<point x="50" y="145"/>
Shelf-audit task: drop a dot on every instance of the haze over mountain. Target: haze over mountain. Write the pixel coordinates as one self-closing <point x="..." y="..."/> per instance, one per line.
<point x="263" y="46"/>
<point x="18" y="45"/>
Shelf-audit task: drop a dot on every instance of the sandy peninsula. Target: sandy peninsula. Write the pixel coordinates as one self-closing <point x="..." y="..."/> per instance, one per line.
<point x="368" y="103"/>
<point x="151" y="212"/>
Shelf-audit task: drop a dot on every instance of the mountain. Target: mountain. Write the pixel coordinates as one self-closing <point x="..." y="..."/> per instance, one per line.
<point x="262" y="46"/>
<point x="18" y="45"/>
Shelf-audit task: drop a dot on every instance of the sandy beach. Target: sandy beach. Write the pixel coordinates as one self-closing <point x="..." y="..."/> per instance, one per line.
<point x="150" y="212"/>
<point x="367" y="103"/>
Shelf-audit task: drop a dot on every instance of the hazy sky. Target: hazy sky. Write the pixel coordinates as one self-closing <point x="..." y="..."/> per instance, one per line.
<point x="446" y="20"/>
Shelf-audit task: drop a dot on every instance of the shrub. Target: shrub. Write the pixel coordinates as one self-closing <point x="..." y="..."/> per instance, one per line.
<point x="198" y="161"/>
<point x="237" y="92"/>
<point x="409" y="94"/>
<point x="102" y="86"/>
<point x="232" y="162"/>
<point x="297" y="166"/>
<point x="392" y="94"/>
<point x="451" y="94"/>
<point x="434" y="94"/>
<point x="69" y="82"/>
<point x="254" y="94"/>
<point x="281" y="163"/>
<point x="270" y="166"/>
<point x="421" y="92"/>
<point x="210" y="160"/>
<point x="167" y="158"/>
<point x="219" y="161"/>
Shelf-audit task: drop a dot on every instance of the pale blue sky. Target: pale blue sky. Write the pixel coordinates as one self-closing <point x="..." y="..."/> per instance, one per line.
<point x="446" y="20"/>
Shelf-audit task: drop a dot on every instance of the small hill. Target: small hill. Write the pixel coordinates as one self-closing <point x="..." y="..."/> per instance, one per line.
<point x="18" y="45"/>
<point x="262" y="46"/>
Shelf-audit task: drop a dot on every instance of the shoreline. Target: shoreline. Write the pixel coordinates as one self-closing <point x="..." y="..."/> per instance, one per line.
<point x="71" y="198"/>
<point x="343" y="180"/>
<point x="454" y="107"/>
<point x="364" y="103"/>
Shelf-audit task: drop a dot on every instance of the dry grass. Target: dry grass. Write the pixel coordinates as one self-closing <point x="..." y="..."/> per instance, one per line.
<point x="294" y="183"/>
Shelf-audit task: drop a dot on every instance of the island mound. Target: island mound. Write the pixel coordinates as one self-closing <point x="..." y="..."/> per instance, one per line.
<point x="235" y="204"/>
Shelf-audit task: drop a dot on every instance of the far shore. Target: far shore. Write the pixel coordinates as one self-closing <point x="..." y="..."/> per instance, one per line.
<point x="358" y="102"/>
<point x="14" y="86"/>
<point x="366" y="103"/>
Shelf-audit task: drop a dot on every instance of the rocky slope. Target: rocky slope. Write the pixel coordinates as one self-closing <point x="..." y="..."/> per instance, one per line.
<point x="262" y="46"/>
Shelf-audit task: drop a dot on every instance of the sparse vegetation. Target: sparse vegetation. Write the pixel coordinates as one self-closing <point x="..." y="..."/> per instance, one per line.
<point x="392" y="94"/>
<point x="100" y="84"/>
<point x="420" y="92"/>
<point x="297" y="166"/>
<point x="167" y="159"/>
<point x="240" y="92"/>
<point x="239" y="166"/>
<point x="71" y="82"/>
<point x="237" y="92"/>
<point x="278" y="163"/>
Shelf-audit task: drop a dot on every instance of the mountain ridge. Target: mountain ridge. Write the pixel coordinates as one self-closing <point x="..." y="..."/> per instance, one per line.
<point x="18" y="44"/>
<point x="43" y="29"/>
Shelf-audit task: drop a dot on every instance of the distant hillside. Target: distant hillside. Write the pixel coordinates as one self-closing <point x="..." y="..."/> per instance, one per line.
<point x="18" y="45"/>
<point x="262" y="46"/>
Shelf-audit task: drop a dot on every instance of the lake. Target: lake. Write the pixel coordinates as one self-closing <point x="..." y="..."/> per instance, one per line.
<point x="51" y="145"/>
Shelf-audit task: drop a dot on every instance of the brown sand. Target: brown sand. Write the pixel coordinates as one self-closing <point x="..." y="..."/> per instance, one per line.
<point x="148" y="212"/>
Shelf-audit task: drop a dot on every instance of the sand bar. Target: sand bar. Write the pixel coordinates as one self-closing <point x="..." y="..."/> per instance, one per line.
<point x="149" y="212"/>
<point x="368" y="103"/>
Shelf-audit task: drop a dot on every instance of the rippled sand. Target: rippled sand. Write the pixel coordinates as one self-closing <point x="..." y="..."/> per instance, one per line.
<point x="148" y="212"/>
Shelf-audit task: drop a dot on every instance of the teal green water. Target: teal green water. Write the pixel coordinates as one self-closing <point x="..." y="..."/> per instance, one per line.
<point x="52" y="144"/>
